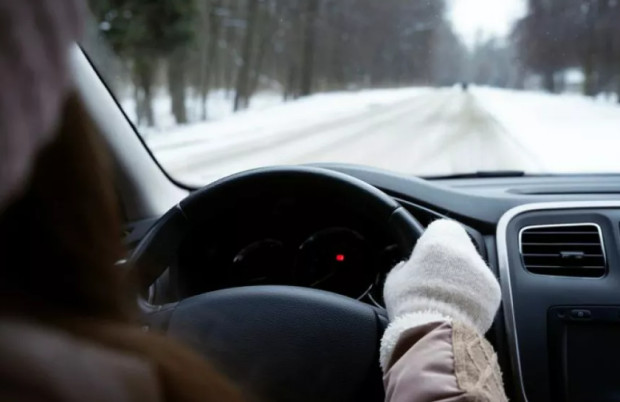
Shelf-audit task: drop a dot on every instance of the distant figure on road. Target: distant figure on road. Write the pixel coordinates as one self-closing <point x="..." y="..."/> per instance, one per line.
<point x="464" y="86"/>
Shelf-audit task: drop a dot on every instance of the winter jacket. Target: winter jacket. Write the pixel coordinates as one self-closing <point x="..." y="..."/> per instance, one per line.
<point x="443" y="361"/>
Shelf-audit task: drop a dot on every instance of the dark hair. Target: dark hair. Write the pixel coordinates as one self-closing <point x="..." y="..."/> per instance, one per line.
<point x="60" y="239"/>
<point x="58" y="244"/>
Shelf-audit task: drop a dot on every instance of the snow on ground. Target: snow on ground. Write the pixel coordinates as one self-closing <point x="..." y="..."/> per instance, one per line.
<point x="421" y="131"/>
<point x="265" y="120"/>
<point x="256" y="137"/>
<point x="565" y="133"/>
<point x="219" y="105"/>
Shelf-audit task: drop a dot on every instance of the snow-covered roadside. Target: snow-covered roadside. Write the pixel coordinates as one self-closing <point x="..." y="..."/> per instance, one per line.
<point x="219" y="105"/>
<point x="566" y="133"/>
<point x="259" y="124"/>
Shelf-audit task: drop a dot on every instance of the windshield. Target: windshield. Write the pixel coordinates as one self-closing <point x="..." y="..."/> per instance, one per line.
<point x="419" y="87"/>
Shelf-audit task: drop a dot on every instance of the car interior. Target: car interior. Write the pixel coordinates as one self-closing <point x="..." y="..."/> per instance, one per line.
<point x="282" y="267"/>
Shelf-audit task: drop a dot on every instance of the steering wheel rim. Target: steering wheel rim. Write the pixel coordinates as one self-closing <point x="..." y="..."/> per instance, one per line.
<point x="334" y="326"/>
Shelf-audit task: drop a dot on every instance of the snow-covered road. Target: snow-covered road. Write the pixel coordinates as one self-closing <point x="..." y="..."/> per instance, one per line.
<point x="420" y="131"/>
<point x="440" y="132"/>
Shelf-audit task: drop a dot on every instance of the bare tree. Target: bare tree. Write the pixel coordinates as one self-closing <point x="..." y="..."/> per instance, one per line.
<point x="309" y="40"/>
<point x="143" y="77"/>
<point x="212" y="20"/>
<point x="295" y="46"/>
<point x="558" y="34"/>
<point x="243" y="79"/>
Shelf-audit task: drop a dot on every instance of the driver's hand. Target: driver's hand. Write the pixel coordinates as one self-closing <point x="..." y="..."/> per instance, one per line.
<point x="440" y="303"/>
<point x="444" y="280"/>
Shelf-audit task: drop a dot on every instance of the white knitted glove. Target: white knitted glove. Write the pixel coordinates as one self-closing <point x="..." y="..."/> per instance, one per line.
<point x="445" y="279"/>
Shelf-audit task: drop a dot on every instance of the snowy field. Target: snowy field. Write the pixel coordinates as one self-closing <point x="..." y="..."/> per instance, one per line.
<point x="421" y="131"/>
<point x="564" y="134"/>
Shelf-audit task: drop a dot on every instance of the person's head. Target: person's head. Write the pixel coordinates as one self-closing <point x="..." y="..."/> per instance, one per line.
<point x="60" y="238"/>
<point x="60" y="230"/>
<point x="35" y="37"/>
<point x="59" y="223"/>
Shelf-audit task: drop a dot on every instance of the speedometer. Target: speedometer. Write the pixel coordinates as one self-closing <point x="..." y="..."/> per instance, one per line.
<point x="264" y="262"/>
<point x="336" y="259"/>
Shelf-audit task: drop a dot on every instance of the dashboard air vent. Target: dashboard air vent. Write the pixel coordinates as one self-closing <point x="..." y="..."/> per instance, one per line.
<point x="565" y="250"/>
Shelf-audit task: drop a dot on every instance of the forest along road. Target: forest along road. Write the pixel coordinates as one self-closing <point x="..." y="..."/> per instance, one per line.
<point x="440" y="131"/>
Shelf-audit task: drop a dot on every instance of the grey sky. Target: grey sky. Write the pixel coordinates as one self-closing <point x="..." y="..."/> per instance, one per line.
<point x="489" y="17"/>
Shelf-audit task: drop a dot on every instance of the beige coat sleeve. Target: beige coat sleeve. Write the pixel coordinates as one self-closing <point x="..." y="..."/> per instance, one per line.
<point x="443" y="361"/>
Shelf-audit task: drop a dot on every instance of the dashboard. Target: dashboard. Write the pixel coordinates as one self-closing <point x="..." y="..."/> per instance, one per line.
<point x="562" y="307"/>
<point x="303" y="241"/>
<point x="551" y="240"/>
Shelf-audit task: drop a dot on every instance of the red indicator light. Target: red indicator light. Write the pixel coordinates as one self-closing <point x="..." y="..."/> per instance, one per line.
<point x="339" y="257"/>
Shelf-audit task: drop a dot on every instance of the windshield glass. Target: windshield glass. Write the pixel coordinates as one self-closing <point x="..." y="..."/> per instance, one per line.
<point x="422" y="87"/>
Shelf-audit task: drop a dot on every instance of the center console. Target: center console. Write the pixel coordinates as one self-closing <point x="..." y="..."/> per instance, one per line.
<point x="584" y="356"/>
<point x="559" y="269"/>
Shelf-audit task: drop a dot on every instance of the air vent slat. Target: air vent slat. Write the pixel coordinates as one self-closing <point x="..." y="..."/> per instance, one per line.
<point x="563" y="250"/>
<point x="587" y="228"/>
<point x="559" y="244"/>
<point x="560" y="267"/>
<point x="555" y="255"/>
<point x="551" y="232"/>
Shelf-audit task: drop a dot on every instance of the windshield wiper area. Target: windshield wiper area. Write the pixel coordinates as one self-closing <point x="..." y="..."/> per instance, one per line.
<point x="480" y="174"/>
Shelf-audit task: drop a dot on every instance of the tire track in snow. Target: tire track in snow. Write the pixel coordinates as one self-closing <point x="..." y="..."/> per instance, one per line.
<point x="292" y="146"/>
<point x="437" y="132"/>
<point x="455" y="135"/>
<point x="471" y="140"/>
<point x="377" y="147"/>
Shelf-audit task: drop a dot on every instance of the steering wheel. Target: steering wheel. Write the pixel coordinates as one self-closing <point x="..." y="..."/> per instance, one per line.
<point x="281" y="343"/>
